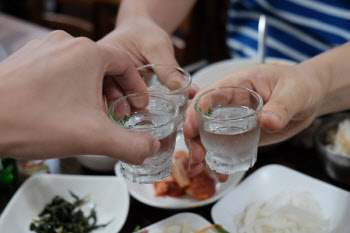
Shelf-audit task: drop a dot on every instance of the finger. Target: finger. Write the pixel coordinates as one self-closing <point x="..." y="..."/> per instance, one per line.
<point x="198" y="151"/>
<point x="171" y="78"/>
<point x="279" y="109"/>
<point x="121" y="67"/>
<point x="128" y="146"/>
<point x="221" y="177"/>
<point x="57" y="36"/>
<point x="124" y="72"/>
<point x="193" y="90"/>
<point x="191" y="123"/>
<point x="196" y="168"/>
<point x="163" y="55"/>
<point x="111" y="90"/>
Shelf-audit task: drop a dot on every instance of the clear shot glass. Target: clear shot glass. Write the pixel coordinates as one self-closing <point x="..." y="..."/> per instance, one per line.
<point x="171" y="81"/>
<point x="229" y="127"/>
<point x="155" y="114"/>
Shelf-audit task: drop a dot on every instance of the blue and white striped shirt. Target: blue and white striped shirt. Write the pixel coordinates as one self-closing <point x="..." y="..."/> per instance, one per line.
<point x="297" y="29"/>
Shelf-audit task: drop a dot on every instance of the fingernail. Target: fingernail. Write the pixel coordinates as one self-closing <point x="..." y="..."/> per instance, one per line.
<point x="174" y="84"/>
<point x="271" y="116"/>
<point x="155" y="147"/>
<point x="271" y="122"/>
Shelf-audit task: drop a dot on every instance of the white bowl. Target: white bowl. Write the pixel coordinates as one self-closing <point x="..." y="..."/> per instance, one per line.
<point x="270" y="181"/>
<point x="97" y="162"/>
<point x="108" y="193"/>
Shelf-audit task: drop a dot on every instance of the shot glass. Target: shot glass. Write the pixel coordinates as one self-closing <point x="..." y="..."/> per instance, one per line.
<point x="155" y="114"/>
<point x="171" y="81"/>
<point x="229" y="127"/>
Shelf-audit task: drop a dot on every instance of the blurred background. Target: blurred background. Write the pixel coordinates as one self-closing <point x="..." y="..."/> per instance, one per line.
<point x="200" y="38"/>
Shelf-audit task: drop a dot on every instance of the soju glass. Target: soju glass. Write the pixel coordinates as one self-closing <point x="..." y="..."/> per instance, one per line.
<point x="171" y="81"/>
<point x="155" y="114"/>
<point x="229" y="127"/>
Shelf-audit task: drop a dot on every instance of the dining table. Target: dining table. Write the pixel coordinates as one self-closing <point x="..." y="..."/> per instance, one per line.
<point x="296" y="153"/>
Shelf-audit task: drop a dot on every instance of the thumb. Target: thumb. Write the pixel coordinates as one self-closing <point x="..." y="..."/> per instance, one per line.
<point x="131" y="147"/>
<point x="165" y="55"/>
<point x="278" y="111"/>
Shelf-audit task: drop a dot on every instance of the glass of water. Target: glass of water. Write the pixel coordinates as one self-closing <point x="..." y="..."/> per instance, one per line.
<point x="229" y="127"/>
<point x="155" y="114"/>
<point x="171" y="81"/>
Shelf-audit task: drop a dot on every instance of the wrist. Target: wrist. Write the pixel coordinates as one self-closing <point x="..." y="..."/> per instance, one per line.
<point x="320" y="75"/>
<point x="130" y="11"/>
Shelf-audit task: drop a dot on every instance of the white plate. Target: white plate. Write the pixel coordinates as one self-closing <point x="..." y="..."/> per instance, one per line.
<point x="218" y="70"/>
<point x="195" y="220"/>
<point x="145" y="192"/>
<point x="271" y="180"/>
<point x="108" y="193"/>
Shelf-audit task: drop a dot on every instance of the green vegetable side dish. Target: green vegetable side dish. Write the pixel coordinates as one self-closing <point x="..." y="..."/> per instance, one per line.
<point x="61" y="216"/>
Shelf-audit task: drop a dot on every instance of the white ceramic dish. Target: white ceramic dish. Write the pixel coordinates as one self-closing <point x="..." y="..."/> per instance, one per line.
<point x="108" y="193"/>
<point x="218" y="70"/>
<point x="195" y="220"/>
<point x="145" y="192"/>
<point x="271" y="180"/>
<point x="97" y="162"/>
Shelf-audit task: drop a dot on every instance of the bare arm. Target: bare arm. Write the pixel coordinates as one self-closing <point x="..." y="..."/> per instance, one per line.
<point x="168" y="14"/>
<point x="333" y="69"/>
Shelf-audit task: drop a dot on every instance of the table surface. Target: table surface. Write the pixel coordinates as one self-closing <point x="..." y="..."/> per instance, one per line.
<point x="15" y="33"/>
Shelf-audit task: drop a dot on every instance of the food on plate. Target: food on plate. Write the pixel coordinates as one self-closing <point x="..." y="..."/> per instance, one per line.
<point x="181" y="182"/>
<point x="62" y="216"/>
<point x="216" y="227"/>
<point x="339" y="140"/>
<point x="296" y="212"/>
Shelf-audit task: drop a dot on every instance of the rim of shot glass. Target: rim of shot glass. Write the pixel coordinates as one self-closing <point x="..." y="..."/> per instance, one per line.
<point x="150" y="94"/>
<point x="186" y="74"/>
<point x="258" y="109"/>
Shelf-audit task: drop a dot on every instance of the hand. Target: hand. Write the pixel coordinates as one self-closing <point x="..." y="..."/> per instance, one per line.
<point x="53" y="104"/>
<point x="145" y="42"/>
<point x="292" y="97"/>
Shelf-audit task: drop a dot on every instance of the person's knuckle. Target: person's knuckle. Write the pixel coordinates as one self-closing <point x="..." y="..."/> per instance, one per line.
<point x="86" y="43"/>
<point x="33" y="42"/>
<point x="58" y="34"/>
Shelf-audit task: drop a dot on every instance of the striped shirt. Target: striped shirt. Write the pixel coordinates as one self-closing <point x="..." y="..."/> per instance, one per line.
<point x="297" y="29"/>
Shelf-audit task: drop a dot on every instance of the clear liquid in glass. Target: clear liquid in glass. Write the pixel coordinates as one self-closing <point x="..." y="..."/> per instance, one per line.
<point x="231" y="145"/>
<point x="181" y="100"/>
<point x="158" y="166"/>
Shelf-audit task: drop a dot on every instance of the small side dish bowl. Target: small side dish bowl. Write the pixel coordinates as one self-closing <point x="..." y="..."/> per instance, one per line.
<point x="107" y="194"/>
<point x="337" y="166"/>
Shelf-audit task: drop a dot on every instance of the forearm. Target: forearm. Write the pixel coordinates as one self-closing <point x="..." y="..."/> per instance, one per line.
<point x="168" y="14"/>
<point x="332" y="69"/>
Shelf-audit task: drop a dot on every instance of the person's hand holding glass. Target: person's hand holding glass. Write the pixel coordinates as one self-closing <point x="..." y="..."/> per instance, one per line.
<point x="154" y="114"/>
<point x="284" y="114"/>
<point x="229" y="128"/>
